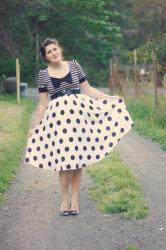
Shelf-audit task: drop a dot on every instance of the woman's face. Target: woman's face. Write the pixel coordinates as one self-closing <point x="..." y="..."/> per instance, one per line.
<point x="53" y="53"/>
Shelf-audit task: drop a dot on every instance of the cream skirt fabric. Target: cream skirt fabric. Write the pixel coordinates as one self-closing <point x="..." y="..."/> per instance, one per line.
<point x="76" y="131"/>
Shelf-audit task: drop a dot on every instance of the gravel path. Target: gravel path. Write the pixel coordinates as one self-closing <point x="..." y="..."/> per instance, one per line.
<point x="29" y="218"/>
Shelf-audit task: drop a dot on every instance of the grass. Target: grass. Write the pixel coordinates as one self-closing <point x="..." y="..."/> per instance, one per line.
<point x="132" y="247"/>
<point x="116" y="190"/>
<point x="149" y="123"/>
<point x="14" y="124"/>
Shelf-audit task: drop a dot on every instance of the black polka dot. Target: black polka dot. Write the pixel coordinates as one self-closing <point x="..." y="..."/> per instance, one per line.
<point x="74" y="130"/>
<point x="84" y="148"/>
<point x="33" y="140"/>
<point x="41" y="138"/>
<point x="55" y="132"/>
<point x="56" y="161"/>
<point x="72" y="157"/>
<point x="126" y="118"/>
<point x="48" y="135"/>
<point x="97" y="115"/>
<point x="58" y="122"/>
<point x="113" y="134"/>
<point x="106" y="113"/>
<point x="91" y="101"/>
<point x="120" y="100"/>
<point x="80" y="112"/>
<point x="79" y="138"/>
<point x="65" y="102"/>
<point x="88" y="139"/>
<point x="107" y="128"/>
<point x="27" y="159"/>
<point x="113" y="106"/>
<point x="122" y="130"/>
<point x="51" y="153"/>
<point x="71" y="111"/>
<point x="51" y="107"/>
<point x="51" y="125"/>
<point x="68" y="166"/>
<point x="101" y="147"/>
<point x="80" y="157"/>
<point x="36" y="131"/>
<point x="83" y="130"/>
<point x="78" y="120"/>
<point x="62" y="158"/>
<point x="49" y="164"/>
<point x="47" y="117"/>
<point x="77" y="166"/>
<point x="83" y="165"/>
<point x="68" y="120"/>
<point x="46" y="146"/>
<point x="74" y="102"/>
<point x="89" y="157"/>
<point x="58" y="151"/>
<point x="105" y="138"/>
<point x="119" y="110"/>
<point x="97" y="156"/>
<point x="90" y="107"/>
<point x="93" y="148"/>
<point x="44" y="128"/>
<point x="99" y="130"/>
<point x="110" y="144"/>
<point x="116" y="124"/>
<point x="62" y="112"/>
<point x="43" y="156"/>
<point x="100" y="121"/>
<point x="60" y="140"/>
<point x="53" y="143"/>
<point x="71" y="139"/>
<point x="91" y="130"/>
<point x="64" y="130"/>
<point x="105" y="102"/>
<point x="86" y="122"/>
<point x="38" y="148"/>
<point x="93" y="122"/>
<point x="40" y="165"/>
<point x="82" y="105"/>
<point x="66" y="149"/>
<point x="57" y="104"/>
<point x="96" y="139"/>
<point x="53" y="114"/>
<point x="109" y="118"/>
<point x="88" y="114"/>
<point x="29" y="150"/>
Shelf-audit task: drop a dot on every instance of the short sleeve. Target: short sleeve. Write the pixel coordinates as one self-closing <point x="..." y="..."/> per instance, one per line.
<point x="81" y="73"/>
<point x="41" y="83"/>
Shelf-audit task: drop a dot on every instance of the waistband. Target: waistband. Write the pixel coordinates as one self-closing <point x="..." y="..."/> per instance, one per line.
<point x="66" y="92"/>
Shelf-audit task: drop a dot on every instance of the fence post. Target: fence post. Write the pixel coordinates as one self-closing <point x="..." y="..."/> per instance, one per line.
<point x="18" y="80"/>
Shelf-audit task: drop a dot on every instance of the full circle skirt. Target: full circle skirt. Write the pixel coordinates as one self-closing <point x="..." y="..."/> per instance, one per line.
<point x="76" y="131"/>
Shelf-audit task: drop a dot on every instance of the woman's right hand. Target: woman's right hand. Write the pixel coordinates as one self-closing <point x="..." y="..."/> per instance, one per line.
<point x="30" y="132"/>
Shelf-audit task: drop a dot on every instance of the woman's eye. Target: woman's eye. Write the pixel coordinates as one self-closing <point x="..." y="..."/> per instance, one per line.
<point x="55" y="48"/>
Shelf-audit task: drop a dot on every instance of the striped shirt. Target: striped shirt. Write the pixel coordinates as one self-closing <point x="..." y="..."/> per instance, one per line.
<point x="52" y="85"/>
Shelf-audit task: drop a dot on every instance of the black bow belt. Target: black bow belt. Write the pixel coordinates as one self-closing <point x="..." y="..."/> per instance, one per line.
<point x="66" y="92"/>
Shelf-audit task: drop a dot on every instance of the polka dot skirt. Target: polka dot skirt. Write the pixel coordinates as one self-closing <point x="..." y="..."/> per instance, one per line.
<point x="76" y="131"/>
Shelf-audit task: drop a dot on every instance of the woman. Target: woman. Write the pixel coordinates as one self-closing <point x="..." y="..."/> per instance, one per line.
<point x="73" y="129"/>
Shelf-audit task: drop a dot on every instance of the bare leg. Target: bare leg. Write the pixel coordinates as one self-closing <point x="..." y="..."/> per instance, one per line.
<point x="75" y="185"/>
<point x="65" y="180"/>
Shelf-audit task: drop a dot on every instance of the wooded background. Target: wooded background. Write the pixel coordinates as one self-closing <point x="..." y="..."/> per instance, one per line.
<point x="96" y="33"/>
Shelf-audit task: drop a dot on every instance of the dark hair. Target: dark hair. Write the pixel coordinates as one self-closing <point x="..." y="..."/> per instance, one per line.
<point x="47" y="42"/>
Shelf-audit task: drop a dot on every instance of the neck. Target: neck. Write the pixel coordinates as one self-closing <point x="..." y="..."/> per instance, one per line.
<point x="55" y="65"/>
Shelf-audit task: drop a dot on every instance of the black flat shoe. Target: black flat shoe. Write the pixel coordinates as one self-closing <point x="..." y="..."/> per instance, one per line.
<point x="73" y="212"/>
<point x="64" y="213"/>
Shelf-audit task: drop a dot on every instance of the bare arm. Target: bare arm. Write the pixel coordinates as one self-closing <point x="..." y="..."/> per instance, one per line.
<point x="93" y="92"/>
<point x="42" y="105"/>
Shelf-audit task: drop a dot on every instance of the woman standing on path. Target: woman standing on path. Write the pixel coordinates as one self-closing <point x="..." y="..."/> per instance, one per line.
<point x="73" y="130"/>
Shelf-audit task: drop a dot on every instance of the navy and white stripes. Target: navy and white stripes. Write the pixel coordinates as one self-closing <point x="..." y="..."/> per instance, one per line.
<point x="76" y="73"/>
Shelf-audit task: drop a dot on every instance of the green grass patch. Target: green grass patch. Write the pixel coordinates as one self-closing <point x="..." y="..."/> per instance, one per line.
<point x="14" y="124"/>
<point x="147" y="122"/>
<point x="132" y="247"/>
<point x="115" y="189"/>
